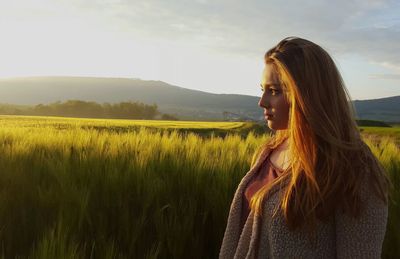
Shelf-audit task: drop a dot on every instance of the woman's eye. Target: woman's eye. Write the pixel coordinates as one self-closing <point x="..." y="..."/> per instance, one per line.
<point x="273" y="91"/>
<point x="270" y="91"/>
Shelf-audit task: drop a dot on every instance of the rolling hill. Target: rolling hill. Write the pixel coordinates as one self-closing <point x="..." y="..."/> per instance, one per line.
<point x="181" y="102"/>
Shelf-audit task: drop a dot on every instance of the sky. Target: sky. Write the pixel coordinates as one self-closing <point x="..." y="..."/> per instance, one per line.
<point x="214" y="46"/>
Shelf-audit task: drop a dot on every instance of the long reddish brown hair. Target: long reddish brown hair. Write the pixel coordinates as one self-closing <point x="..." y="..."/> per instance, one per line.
<point x="328" y="156"/>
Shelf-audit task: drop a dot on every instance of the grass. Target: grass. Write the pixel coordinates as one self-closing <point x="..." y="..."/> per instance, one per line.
<point x="73" y="188"/>
<point x="382" y="131"/>
<point x="204" y="129"/>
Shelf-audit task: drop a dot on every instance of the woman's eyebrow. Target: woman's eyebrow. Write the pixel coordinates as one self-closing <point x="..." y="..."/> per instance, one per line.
<point x="269" y="84"/>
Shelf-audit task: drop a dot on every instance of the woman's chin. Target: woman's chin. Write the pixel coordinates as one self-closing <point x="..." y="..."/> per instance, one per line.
<point x="273" y="126"/>
<point x="270" y="125"/>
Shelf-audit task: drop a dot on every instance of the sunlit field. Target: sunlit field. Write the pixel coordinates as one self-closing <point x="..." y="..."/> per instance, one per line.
<point x="203" y="129"/>
<point x="85" y="188"/>
<point x="382" y="131"/>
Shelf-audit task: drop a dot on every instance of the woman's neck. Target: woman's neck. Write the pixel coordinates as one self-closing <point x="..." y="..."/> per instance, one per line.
<point x="280" y="155"/>
<point x="284" y="145"/>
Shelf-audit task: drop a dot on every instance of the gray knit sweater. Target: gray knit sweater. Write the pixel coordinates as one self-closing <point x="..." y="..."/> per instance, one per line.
<point x="269" y="237"/>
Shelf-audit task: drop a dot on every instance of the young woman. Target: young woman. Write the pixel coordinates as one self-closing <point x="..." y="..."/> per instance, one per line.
<point x="314" y="190"/>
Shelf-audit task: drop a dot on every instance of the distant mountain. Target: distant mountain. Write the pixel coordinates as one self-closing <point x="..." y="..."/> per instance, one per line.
<point x="383" y="109"/>
<point x="181" y="102"/>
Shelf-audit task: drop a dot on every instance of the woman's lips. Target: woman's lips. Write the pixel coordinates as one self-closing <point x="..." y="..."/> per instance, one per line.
<point x="268" y="116"/>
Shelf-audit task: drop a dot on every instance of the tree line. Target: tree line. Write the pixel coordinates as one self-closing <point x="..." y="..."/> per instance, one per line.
<point x="85" y="109"/>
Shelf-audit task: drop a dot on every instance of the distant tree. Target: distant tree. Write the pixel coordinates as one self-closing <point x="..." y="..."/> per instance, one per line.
<point x="371" y="123"/>
<point x="42" y="109"/>
<point x="78" y="108"/>
<point x="169" y="117"/>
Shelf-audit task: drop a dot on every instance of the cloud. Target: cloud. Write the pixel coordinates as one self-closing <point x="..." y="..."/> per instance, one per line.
<point x="366" y="28"/>
<point x="385" y="76"/>
<point x="378" y="45"/>
<point x="370" y="29"/>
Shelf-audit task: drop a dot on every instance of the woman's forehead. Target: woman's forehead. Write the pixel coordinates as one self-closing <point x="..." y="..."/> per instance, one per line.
<point x="269" y="76"/>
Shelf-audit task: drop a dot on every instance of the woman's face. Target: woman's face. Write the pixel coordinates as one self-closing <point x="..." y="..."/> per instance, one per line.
<point x="276" y="107"/>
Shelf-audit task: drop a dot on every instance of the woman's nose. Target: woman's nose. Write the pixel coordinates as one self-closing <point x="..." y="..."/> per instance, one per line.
<point x="260" y="103"/>
<point x="263" y="101"/>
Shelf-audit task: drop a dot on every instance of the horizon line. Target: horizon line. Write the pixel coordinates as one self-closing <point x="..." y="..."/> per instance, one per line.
<point x="149" y="80"/>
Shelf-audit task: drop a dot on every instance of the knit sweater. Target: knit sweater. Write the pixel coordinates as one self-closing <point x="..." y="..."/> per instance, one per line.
<point x="266" y="174"/>
<point x="269" y="237"/>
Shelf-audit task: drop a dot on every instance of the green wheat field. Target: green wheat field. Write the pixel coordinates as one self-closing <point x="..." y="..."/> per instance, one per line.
<point x="92" y="188"/>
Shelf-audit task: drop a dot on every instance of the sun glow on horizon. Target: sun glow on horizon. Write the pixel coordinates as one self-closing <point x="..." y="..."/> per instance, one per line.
<point x="124" y="39"/>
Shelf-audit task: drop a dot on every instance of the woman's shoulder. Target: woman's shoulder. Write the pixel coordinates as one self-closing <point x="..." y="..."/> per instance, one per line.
<point x="362" y="236"/>
<point x="371" y="166"/>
